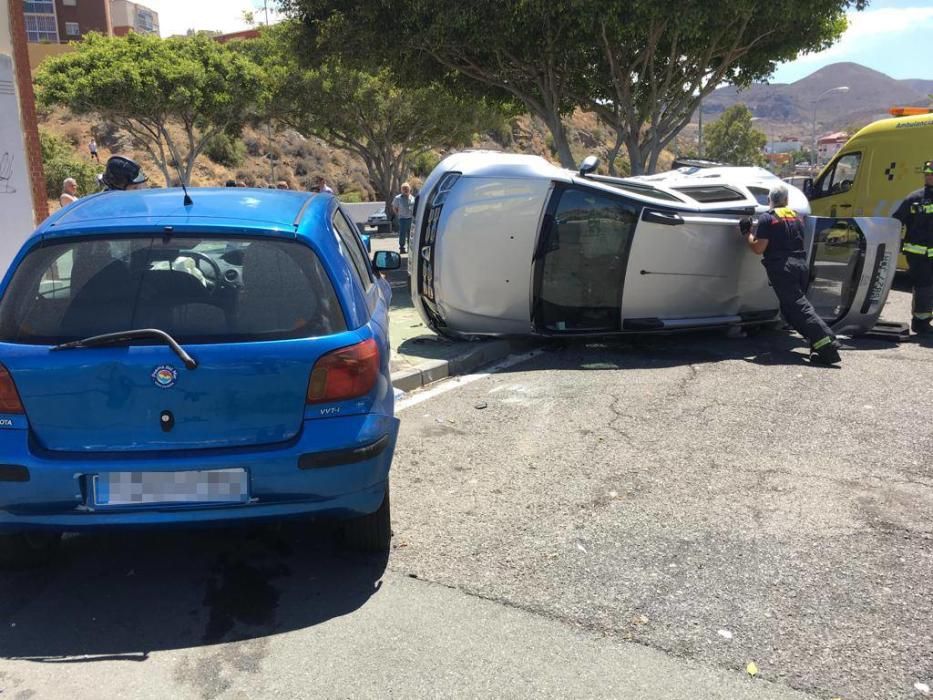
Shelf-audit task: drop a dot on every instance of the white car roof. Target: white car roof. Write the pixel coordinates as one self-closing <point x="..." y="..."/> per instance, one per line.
<point x="496" y="164"/>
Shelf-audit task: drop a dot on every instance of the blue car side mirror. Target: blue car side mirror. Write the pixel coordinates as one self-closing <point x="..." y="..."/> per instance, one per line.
<point x="387" y="260"/>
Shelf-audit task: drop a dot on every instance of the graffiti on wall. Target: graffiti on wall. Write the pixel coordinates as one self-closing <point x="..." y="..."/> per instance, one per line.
<point x="16" y="209"/>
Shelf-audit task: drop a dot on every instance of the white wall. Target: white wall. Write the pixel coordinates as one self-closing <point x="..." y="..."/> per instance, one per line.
<point x="17" y="215"/>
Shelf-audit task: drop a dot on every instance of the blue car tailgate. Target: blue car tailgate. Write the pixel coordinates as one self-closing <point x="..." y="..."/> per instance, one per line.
<point x="144" y="398"/>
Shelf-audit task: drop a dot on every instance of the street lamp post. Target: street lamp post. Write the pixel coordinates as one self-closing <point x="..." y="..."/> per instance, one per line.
<point x="700" y="129"/>
<point x="814" y="101"/>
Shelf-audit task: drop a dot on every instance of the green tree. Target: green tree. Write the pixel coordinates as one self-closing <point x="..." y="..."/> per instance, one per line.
<point x="59" y="162"/>
<point x="387" y="125"/>
<point x="732" y="139"/>
<point x="524" y="51"/>
<point x="654" y="62"/>
<point x="641" y="65"/>
<point x="157" y="89"/>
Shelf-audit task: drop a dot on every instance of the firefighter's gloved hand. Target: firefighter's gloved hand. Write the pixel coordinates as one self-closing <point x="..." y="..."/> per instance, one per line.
<point x="745" y="225"/>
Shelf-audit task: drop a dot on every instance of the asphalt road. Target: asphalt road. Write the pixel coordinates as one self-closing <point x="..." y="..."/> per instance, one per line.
<point x="638" y="519"/>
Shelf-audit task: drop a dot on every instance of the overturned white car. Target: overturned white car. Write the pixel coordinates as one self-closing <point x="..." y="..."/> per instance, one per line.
<point x="507" y="244"/>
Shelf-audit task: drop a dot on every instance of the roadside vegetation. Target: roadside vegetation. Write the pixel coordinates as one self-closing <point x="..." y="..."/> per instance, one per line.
<point x="329" y="92"/>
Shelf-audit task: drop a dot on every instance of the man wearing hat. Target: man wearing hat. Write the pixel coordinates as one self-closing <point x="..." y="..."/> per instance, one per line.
<point x="916" y="214"/>
<point x="122" y="173"/>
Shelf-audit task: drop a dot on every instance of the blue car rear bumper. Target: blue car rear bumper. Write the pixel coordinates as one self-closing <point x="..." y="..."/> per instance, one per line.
<point x="336" y="467"/>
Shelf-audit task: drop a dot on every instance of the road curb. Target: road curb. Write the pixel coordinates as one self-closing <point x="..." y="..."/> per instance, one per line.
<point x="431" y="371"/>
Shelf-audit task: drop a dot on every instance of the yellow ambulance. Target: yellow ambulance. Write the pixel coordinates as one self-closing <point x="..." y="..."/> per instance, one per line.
<point x="876" y="169"/>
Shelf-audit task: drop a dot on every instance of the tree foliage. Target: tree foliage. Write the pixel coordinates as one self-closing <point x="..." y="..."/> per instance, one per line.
<point x="150" y="87"/>
<point x="372" y="114"/>
<point x="59" y="162"/>
<point x="641" y="65"/>
<point x="732" y="139"/>
<point x="501" y="50"/>
<point x="656" y="61"/>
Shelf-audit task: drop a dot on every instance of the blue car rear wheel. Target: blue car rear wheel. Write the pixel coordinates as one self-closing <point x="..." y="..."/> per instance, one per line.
<point x="370" y="533"/>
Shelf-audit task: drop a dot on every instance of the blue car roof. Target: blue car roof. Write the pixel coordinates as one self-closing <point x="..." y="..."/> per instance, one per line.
<point x="245" y="208"/>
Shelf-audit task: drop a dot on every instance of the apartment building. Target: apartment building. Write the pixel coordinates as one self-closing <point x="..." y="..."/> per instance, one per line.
<point x="61" y="21"/>
<point x="132" y="17"/>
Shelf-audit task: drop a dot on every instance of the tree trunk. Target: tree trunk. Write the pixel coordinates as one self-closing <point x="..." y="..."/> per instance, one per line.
<point x="653" y="151"/>
<point x="613" y="153"/>
<point x="561" y="143"/>
<point x="635" y="155"/>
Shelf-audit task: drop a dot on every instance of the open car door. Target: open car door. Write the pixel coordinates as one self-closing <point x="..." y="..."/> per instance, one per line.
<point x="852" y="266"/>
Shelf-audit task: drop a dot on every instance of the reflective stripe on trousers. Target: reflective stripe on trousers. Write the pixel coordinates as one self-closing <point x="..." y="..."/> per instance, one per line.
<point x="920" y="271"/>
<point x="789" y="277"/>
<point x="917" y="249"/>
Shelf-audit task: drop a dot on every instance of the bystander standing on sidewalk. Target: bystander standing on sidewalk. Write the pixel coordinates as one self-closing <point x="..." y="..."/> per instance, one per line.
<point x="69" y="192"/>
<point x="322" y="185"/>
<point x="404" y="208"/>
<point x="92" y="147"/>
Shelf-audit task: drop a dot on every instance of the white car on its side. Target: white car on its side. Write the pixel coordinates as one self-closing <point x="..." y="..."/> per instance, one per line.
<point x="508" y="244"/>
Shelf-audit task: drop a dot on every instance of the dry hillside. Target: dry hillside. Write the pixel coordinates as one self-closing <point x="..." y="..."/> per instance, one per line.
<point x="298" y="160"/>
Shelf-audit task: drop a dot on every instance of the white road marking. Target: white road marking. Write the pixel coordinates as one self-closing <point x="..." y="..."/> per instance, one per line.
<point x="457" y="382"/>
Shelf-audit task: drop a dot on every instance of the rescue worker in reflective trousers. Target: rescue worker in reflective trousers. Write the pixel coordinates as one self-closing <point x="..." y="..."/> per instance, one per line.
<point x="778" y="236"/>
<point x="916" y="214"/>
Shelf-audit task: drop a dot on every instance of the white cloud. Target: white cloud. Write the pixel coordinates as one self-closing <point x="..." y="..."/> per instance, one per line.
<point x="872" y="24"/>
<point x="178" y="16"/>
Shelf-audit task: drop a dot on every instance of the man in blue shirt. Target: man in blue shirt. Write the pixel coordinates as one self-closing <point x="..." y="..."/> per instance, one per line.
<point x="778" y="238"/>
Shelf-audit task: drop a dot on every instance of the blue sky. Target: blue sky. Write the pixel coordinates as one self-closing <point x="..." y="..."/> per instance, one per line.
<point x="891" y="36"/>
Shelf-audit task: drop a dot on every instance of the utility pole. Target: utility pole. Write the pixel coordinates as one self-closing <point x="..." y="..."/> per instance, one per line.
<point x="815" y="161"/>
<point x="700" y="130"/>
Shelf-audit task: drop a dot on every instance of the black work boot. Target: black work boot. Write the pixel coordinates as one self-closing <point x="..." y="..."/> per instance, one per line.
<point x="826" y="355"/>
<point x="921" y="326"/>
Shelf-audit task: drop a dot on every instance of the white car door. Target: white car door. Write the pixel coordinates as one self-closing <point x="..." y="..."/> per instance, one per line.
<point x="852" y="266"/>
<point x="690" y="269"/>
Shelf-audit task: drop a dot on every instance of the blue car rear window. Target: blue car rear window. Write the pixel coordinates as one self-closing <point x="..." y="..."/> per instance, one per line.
<point x="199" y="290"/>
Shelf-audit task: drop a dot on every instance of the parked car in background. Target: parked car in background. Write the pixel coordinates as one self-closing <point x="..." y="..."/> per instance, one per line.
<point x="380" y="221"/>
<point x="509" y="244"/>
<point x="797" y="181"/>
<point x="163" y="364"/>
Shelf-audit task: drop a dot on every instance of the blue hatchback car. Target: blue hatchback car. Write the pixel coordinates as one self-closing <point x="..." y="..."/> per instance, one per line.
<point x="163" y="363"/>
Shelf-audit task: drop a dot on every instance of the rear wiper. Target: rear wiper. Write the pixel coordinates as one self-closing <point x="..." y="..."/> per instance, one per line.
<point x="123" y="336"/>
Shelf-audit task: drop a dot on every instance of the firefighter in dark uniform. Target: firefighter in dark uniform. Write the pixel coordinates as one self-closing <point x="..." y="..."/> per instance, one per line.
<point x="916" y="213"/>
<point x="777" y="236"/>
<point x="122" y="173"/>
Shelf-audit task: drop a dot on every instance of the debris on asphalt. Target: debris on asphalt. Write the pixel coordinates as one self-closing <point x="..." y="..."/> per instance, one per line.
<point x="922" y="688"/>
<point x="581" y="547"/>
<point x="725" y="634"/>
<point x="752" y="669"/>
<point x="613" y="494"/>
<point x="481" y="405"/>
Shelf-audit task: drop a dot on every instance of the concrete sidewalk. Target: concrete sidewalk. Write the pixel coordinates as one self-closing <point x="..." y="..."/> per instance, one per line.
<point x="420" y="356"/>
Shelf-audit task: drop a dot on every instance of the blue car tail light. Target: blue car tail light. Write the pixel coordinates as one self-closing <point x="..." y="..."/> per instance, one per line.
<point x="345" y="373"/>
<point x="9" y="397"/>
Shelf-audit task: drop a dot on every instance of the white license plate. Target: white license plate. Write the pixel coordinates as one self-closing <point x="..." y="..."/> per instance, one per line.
<point x="150" y="488"/>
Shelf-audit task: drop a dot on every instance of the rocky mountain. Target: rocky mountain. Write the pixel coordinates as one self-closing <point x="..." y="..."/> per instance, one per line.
<point x="924" y="87"/>
<point x="870" y="95"/>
